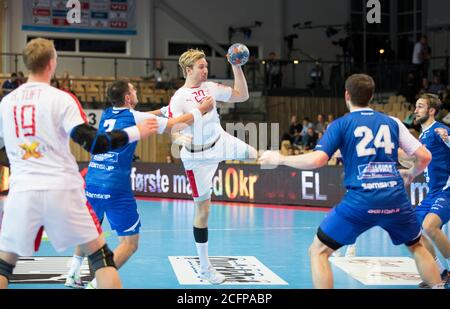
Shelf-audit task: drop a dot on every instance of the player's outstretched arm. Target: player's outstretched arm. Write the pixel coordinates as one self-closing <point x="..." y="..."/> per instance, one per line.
<point x="88" y="138"/>
<point x="157" y="112"/>
<point x="240" y="89"/>
<point x="310" y="160"/>
<point x="179" y="123"/>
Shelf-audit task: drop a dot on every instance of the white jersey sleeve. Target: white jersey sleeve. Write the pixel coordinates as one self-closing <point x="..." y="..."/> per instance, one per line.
<point x="219" y="92"/>
<point x="71" y="112"/>
<point x="406" y="140"/>
<point x="140" y="116"/>
<point x="175" y="108"/>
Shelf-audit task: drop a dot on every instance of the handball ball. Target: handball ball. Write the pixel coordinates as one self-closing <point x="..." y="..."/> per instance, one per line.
<point x="238" y="54"/>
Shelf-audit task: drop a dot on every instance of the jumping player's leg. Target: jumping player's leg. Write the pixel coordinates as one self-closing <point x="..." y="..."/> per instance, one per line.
<point x="232" y="148"/>
<point x="200" y="177"/>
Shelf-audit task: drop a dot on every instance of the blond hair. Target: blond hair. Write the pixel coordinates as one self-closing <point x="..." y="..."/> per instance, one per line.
<point x="37" y="54"/>
<point x="189" y="58"/>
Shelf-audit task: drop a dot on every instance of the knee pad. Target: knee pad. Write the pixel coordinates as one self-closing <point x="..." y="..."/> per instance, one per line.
<point x="103" y="257"/>
<point x="6" y="269"/>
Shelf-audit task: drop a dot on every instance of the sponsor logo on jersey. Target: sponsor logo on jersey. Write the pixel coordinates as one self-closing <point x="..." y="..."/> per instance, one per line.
<point x="31" y="151"/>
<point x="107" y="157"/>
<point x="376" y="170"/>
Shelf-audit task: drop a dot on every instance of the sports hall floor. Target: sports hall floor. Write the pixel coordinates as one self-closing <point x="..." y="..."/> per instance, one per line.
<point x="255" y="246"/>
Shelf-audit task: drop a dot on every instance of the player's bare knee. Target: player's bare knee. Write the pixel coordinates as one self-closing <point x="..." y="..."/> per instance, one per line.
<point x="132" y="246"/>
<point x="430" y="230"/>
<point x="101" y="258"/>
<point x="415" y="244"/>
<point x="131" y="243"/>
<point x="202" y="217"/>
<point x="6" y="269"/>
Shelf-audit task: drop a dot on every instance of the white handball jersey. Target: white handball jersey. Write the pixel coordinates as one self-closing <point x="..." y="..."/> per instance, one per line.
<point x="35" y="122"/>
<point x="207" y="129"/>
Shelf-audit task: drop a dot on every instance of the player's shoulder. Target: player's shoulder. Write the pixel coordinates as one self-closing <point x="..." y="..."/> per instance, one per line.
<point x="210" y="85"/>
<point x="438" y="124"/>
<point x="178" y="93"/>
<point x="141" y="115"/>
<point x="63" y="96"/>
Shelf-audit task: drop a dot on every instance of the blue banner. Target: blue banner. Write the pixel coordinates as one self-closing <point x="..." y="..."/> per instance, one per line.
<point x="80" y="16"/>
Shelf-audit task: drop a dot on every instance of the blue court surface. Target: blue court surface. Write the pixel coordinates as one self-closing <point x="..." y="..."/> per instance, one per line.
<point x="255" y="246"/>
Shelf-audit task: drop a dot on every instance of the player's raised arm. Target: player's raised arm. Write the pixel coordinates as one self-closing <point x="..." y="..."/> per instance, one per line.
<point x="237" y="56"/>
<point x="240" y="88"/>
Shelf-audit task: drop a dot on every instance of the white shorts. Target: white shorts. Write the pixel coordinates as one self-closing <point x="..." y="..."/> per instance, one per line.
<point x="64" y="214"/>
<point x="201" y="166"/>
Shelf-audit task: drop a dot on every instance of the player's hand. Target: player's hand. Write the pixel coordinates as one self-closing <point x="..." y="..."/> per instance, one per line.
<point x="207" y="104"/>
<point x="147" y="127"/>
<point x="181" y="139"/>
<point x="407" y="176"/>
<point x="443" y="133"/>
<point x="270" y="158"/>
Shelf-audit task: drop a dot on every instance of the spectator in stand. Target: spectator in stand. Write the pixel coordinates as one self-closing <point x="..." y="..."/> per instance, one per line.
<point x="436" y="86"/>
<point x="320" y="125"/>
<point x="161" y="76"/>
<point x="306" y="124"/>
<point x="21" y="79"/>
<point x="421" y="57"/>
<point x="10" y="84"/>
<point x="293" y="127"/>
<point x="330" y="119"/>
<point x="297" y="138"/>
<point x="410" y="89"/>
<point x="54" y="82"/>
<point x="66" y="82"/>
<point x="273" y="71"/>
<point x="310" y="139"/>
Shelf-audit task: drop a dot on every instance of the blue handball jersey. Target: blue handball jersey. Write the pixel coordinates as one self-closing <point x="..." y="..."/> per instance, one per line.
<point x="369" y="142"/>
<point x="437" y="173"/>
<point x="112" y="169"/>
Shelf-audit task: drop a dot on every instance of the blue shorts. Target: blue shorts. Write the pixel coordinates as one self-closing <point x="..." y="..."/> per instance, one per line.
<point x="345" y="223"/>
<point x="119" y="206"/>
<point x="436" y="203"/>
